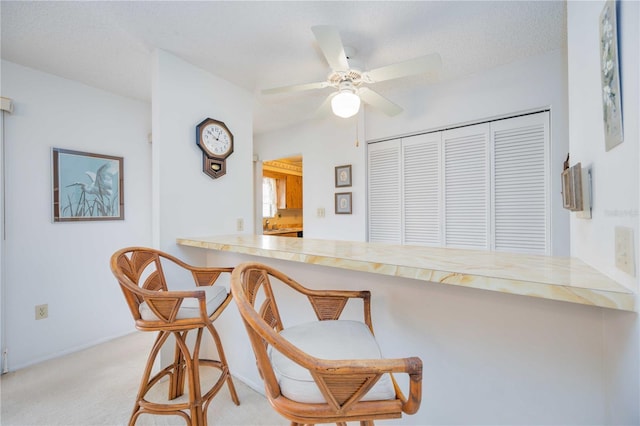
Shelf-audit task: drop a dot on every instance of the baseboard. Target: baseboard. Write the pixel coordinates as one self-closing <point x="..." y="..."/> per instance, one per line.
<point x="258" y="387"/>
<point x="68" y="351"/>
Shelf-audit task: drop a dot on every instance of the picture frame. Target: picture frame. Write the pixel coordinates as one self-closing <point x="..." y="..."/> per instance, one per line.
<point x="572" y="191"/>
<point x="87" y="186"/>
<point x="610" y="76"/>
<point x="343" y="202"/>
<point x="576" y="187"/>
<point x="343" y="176"/>
<point x="567" y="192"/>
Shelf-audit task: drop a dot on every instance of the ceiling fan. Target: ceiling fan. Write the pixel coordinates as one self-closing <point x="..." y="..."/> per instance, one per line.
<point x="351" y="83"/>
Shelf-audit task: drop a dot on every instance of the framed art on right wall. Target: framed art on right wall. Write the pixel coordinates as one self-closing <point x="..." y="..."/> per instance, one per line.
<point x="610" y="76"/>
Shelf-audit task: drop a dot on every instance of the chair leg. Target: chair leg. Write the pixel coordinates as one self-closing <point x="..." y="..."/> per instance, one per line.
<point x="223" y="360"/>
<point x="185" y="366"/>
<point x="177" y="378"/>
<point x="192" y="366"/>
<point x="366" y="423"/>
<point x="144" y="381"/>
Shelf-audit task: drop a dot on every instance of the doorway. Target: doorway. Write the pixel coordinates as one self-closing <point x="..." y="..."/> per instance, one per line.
<point x="282" y="197"/>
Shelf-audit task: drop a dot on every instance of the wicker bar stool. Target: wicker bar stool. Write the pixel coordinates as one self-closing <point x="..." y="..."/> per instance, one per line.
<point x="325" y="371"/>
<point x="140" y="273"/>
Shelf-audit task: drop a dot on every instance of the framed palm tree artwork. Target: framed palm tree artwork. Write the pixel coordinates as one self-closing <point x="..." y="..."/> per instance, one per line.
<point x="87" y="186"/>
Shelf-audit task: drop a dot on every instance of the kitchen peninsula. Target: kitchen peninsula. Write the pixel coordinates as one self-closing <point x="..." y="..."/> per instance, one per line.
<point x="556" y="278"/>
<point x="494" y="330"/>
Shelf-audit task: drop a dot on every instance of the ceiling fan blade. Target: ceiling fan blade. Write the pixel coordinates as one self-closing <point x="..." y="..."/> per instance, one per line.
<point x="330" y="43"/>
<point x="324" y="109"/>
<point x="378" y="101"/>
<point x="296" y="88"/>
<point x="420" y="65"/>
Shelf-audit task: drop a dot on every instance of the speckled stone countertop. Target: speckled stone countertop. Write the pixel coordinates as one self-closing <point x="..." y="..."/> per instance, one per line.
<point x="281" y="230"/>
<point x="556" y="278"/>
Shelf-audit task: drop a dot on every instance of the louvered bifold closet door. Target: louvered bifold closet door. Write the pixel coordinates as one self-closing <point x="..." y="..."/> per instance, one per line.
<point x="385" y="192"/>
<point x="421" y="184"/>
<point x="466" y="187"/>
<point x="520" y="200"/>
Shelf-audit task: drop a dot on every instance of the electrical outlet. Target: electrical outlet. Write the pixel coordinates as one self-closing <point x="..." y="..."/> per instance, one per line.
<point x="320" y="212"/>
<point x="625" y="256"/>
<point x="42" y="311"/>
<point x="240" y="224"/>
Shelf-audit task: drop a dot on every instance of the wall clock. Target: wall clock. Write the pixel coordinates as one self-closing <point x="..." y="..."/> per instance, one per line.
<point x="216" y="142"/>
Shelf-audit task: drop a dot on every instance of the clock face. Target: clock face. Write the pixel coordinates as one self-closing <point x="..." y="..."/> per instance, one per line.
<point x="216" y="140"/>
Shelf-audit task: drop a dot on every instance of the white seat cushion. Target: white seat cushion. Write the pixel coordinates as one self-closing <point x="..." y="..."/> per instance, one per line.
<point x="214" y="296"/>
<point x="331" y="340"/>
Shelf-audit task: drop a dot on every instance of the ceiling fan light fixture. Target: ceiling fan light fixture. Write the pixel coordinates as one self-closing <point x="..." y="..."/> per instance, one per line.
<point x="345" y="104"/>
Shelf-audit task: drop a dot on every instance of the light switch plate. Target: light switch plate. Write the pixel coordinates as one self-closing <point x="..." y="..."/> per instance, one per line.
<point x="625" y="255"/>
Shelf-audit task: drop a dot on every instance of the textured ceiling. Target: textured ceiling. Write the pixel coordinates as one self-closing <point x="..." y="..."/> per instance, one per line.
<point x="258" y="45"/>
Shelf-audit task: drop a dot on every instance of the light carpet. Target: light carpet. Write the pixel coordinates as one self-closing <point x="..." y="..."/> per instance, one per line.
<point x="97" y="386"/>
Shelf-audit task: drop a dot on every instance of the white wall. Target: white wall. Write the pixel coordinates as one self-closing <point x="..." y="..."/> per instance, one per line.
<point x="187" y="202"/>
<point x="529" y="84"/>
<point x="498" y="359"/>
<point x="532" y="83"/>
<point x="584" y="361"/>
<point x="616" y="186"/>
<point x="2" y="268"/>
<point x="615" y="173"/>
<point x="489" y="358"/>
<point x="325" y="144"/>
<point x="66" y="265"/>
